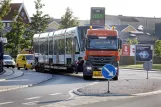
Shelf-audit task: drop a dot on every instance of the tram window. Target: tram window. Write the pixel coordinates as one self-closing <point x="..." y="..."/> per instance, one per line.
<point x="76" y="43"/>
<point x="50" y="46"/>
<point x="61" y="46"/>
<point x="56" y="47"/>
<point x="41" y="46"/>
<point x="45" y="46"/>
<point x="69" y="45"/>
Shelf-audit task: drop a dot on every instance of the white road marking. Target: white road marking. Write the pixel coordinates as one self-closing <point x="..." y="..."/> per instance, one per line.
<point x="55" y="94"/>
<point x="31" y="98"/>
<point x="71" y="91"/>
<point x="30" y="103"/>
<point x="71" y="95"/>
<point x="2" y="79"/>
<point x="94" y="83"/>
<point x="6" y="103"/>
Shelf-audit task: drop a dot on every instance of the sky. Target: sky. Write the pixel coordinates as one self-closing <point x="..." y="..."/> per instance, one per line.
<point x="81" y="8"/>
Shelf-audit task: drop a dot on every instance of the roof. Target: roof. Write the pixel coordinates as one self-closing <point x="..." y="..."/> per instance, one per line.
<point x="14" y="6"/>
<point x="54" y="20"/>
<point x="120" y="27"/>
<point x="127" y="19"/>
<point x="18" y="7"/>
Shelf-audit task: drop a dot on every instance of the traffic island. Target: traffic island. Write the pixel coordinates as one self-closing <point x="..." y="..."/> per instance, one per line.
<point x="120" y="88"/>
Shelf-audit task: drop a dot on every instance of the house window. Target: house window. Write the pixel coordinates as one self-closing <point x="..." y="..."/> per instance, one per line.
<point x="22" y="14"/>
<point x="8" y="24"/>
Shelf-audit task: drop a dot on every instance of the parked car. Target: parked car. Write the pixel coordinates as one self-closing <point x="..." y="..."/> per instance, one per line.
<point x="25" y="61"/>
<point x="8" y="61"/>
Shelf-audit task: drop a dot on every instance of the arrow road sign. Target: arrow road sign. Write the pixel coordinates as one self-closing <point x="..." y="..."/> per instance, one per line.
<point x="108" y="71"/>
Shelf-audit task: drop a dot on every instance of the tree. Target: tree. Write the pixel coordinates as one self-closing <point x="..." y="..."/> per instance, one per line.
<point x="15" y="36"/>
<point x="67" y="20"/>
<point x="39" y="21"/>
<point x="157" y="48"/>
<point x="4" y="10"/>
<point x="132" y="41"/>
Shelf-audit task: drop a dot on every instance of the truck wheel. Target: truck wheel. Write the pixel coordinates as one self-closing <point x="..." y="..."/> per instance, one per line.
<point x="115" y="78"/>
<point x="87" y="77"/>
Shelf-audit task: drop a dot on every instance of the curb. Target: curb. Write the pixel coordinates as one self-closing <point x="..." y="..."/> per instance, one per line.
<point x="139" y="69"/>
<point x="15" y="76"/>
<point x="31" y="85"/>
<point x="9" y="74"/>
<point x="103" y="94"/>
<point x="3" y="72"/>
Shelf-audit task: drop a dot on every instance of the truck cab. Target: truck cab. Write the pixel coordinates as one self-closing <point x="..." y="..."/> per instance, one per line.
<point x="102" y="47"/>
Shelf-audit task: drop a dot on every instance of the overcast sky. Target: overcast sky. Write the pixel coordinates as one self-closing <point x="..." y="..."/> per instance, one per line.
<point x="81" y="8"/>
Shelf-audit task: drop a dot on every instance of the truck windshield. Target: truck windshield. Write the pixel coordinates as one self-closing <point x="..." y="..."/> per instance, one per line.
<point x="107" y="43"/>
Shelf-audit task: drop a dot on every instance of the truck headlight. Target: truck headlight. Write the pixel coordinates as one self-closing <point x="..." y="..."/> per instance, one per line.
<point x="89" y="68"/>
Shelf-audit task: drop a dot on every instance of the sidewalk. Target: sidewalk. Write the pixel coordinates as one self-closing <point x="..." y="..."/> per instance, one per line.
<point x="6" y="73"/>
<point x="6" y="76"/>
<point x="14" y="79"/>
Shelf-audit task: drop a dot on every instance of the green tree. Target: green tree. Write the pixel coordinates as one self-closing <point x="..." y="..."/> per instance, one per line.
<point x="157" y="48"/>
<point x="4" y="10"/>
<point x="39" y="21"/>
<point x="15" y="36"/>
<point x="67" y="20"/>
<point x="132" y="41"/>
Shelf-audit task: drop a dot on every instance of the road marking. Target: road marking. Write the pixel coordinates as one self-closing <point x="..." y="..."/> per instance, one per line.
<point x="30" y="103"/>
<point x="55" y="94"/>
<point x="6" y="103"/>
<point x="31" y="98"/>
<point x="93" y="83"/>
<point x="71" y="95"/>
<point x="2" y="79"/>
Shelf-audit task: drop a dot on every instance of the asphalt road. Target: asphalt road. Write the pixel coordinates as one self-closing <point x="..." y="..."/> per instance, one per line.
<point x="143" y="101"/>
<point x="57" y="89"/>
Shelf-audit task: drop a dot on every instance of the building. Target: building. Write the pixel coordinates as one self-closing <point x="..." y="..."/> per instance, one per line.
<point x="148" y="23"/>
<point x="126" y="32"/>
<point x="158" y="30"/>
<point x="8" y="19"/>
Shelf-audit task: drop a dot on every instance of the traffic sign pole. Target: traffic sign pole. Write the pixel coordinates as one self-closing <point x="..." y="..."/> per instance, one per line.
<point x="147" y="67"/>
<point x="108" y="86"/>
<point x="147" y="75"/>
<point x="108" y="71"/>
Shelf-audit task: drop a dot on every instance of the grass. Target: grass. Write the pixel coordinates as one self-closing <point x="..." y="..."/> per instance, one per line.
<point x="140" y="66"/>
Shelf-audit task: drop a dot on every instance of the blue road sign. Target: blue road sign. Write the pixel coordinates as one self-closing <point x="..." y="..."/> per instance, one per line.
<point x="108" y="71"/>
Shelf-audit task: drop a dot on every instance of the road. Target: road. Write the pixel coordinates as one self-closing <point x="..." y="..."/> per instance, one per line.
<point x="57" y="89"/>
<point x="143" y="101"/>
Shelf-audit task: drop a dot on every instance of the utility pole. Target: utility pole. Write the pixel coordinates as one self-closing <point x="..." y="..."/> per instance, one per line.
<point x="1" y="53"/>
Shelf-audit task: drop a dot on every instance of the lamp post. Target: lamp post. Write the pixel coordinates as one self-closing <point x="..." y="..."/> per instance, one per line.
<point x="1" y="53"/>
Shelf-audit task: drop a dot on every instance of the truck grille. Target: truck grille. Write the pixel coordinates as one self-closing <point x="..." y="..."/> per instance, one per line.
<point x="101" y="60"/>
